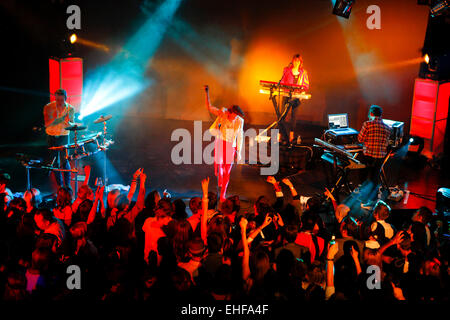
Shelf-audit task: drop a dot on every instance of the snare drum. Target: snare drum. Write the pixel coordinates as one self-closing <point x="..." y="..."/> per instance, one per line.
<point x="88" y="145"/>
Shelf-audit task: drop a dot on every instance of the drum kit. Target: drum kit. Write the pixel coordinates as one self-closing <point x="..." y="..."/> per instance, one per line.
<point x="81" y="147"/>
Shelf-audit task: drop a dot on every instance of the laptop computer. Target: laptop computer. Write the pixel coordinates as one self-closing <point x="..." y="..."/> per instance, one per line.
<point x="338" y="122"/>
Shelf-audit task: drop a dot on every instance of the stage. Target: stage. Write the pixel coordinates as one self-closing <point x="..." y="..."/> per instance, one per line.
<point x="146" y="143"/>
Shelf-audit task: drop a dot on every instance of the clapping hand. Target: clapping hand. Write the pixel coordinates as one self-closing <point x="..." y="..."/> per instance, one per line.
<point x="99" y="192"/>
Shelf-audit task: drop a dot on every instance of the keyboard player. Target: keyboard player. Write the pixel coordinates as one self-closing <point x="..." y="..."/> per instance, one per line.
<point x="374" y="135"/>
<point x="293" y="74"/>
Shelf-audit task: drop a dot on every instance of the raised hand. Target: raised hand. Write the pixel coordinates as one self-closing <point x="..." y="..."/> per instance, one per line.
<point x="101" y="192"/>
<point x="267" y="221"/>
<point x="398" y="237"/>
<point x="205" y="184"/>
<point x="287" y="182"/>
<point x="271" y="179"/>
<point x="354" y="253"/>
<point x="278" y="220"/>
<point x="328" y="194"/>
<point x="243" y="224"/>
<point x="332" y="250"/>
<point x="137" y="173"/>
<point x="143" y="177"/>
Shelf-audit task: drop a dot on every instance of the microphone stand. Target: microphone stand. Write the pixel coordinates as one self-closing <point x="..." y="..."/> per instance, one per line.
<point x="279" y="94"/>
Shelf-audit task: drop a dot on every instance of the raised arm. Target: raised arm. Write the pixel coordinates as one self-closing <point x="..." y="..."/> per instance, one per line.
<point x="204" y="221"/>
<point x="354" y="255"/>
<point x="246" y="257"/>
<point x="330" y="196"/>
<point x="329" y="290"/>
<point x="133" y="184"/>
<point x="258" y="230"/>
<point x="209" y="106"/>
<point x="87" y="174"/>
<point x="140" y="203"/>
<point x="98" y="198"/>
<point x="278" y="192"/>
<point x="399" y="236"/>
<point x="288" y="182"/>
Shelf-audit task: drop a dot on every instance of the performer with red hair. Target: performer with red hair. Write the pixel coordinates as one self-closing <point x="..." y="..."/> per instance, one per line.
<point x="228" y="128"/>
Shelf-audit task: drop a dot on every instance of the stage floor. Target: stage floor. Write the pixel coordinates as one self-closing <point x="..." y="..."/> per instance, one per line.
<point x="146" y="143"/>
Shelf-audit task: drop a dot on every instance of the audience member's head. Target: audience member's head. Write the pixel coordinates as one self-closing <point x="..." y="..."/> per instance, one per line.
<point x="423" y="215"/>
<point x="112" y="197"/>
<point x="44" y="218"/>
<point x="180" y="210"/>
<point x="164" y="209"/>
<point x="78" y="230"/>
<point x="32" y="197"/>
<point x="64" y="197"/>
<point x="290" y="233"/>
<point x="196" y="248"/>
<point x="348" y="227"/>
<point x="84" y="209"/>
<point x="195" y="205"/>
<point x="381" y="210"/>
<point x="314" y="203"/>
<point x="85" y="192"/>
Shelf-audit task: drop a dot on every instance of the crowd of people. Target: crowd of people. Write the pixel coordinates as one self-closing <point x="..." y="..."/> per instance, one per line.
<point x="295" y="248"/>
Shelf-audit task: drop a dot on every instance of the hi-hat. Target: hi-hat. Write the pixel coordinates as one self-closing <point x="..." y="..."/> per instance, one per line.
<point x="103" y="118"/>
<point x="75" y="128"/>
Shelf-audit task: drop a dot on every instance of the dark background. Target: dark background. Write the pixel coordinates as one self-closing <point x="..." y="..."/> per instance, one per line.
<point x="232" y="45"/>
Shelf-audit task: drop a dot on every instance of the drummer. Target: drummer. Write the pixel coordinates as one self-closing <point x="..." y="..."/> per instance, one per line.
<point x="58" y="115"/>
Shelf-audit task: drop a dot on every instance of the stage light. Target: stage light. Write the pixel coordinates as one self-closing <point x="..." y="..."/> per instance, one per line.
<point x="124" y="76"/>
<point x="440" y="8"/>
<point x="73" y="38"/>
<point x="426" y="58"/>
<point x="343" y="8"/>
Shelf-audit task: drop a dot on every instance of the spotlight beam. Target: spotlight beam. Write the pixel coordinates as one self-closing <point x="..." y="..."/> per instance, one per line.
<point x="124" y="76"/>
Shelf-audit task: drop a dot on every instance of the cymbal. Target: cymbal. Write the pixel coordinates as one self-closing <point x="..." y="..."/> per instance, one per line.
<point x="103" y="118"/>
<point x="75" y="128"/>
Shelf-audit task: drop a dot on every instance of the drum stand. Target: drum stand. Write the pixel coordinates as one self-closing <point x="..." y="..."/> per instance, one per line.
<point x="75" y="140"/>
<point x="105" y="182"/>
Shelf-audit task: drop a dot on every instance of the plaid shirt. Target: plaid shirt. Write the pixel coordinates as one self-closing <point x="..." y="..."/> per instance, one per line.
<point x="375" y="136"/>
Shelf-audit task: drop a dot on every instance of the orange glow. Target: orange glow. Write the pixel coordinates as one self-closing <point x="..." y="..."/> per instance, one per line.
<point x="426" y="58"/>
